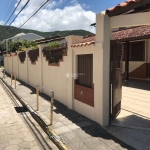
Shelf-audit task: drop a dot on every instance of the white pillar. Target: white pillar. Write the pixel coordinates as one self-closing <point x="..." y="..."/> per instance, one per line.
<point x="27" y="69"/>
<point x="71" y="40"/>
<point x="41" y="64"/>
<point x="103" y="37"/>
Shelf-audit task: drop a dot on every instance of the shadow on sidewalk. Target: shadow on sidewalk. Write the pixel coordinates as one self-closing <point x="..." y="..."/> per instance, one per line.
<point x="39" y="137"/>
<point x="137" y="85"/>
<point x="87" y="128"/>
<point x="86" y="131"/>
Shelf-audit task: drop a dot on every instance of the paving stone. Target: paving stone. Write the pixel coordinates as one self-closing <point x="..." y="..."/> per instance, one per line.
<point x="11" y="147"/>
<point x="77" y="146"/>
<point x="16" y="141"/>
<point x="18" y="131"/>
<point x="77" y="131"/>
<point x="62" y="129"/>
<point x="69" y="137"/>
<point x="96" y="144"/>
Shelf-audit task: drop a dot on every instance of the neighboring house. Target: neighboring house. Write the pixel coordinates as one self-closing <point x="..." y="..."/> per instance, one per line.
<point x="21" y="36"/>
<point x="136" y="44"/>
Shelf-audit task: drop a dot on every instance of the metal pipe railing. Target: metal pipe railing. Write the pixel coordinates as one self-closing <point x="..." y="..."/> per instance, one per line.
<point x="12" y="73"/>
<point x="52" y="100"/>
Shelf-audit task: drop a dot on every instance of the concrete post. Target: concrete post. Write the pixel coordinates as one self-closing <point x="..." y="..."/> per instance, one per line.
<point x="27" y="62"/>
<point x="103" y="37"/>
<point x="69" y="74"/>
<point x="41" y="64"/>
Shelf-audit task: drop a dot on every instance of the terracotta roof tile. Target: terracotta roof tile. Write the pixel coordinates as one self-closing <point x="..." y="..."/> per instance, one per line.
<point x="141" y="31"/>
<point x="85" y="41"/>
<point x="120" y="5"/>
<point x="131" y="33"/>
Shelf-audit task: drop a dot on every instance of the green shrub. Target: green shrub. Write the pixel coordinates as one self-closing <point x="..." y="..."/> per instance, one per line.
<point x="53" y="45"/>
<point x="18" y="45"/>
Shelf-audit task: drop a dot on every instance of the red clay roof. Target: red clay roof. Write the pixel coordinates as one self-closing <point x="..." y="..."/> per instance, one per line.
<point x="120" y="5"/>
<point x="85" y="41"/>
<point x="131" y="33"/>
<point x="135" y="32"/>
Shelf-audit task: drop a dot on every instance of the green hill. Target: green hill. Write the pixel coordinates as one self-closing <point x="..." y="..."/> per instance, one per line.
<point x="12" y="31"/>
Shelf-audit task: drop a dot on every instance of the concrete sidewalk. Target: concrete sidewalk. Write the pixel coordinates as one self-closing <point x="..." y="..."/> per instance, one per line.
<point x="133" y="123"/>
<point x="18" y="130"/>
<point x="77" y="131"/>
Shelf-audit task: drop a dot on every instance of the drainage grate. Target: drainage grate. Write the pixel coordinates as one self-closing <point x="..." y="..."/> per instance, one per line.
<point x="20" y="109"/>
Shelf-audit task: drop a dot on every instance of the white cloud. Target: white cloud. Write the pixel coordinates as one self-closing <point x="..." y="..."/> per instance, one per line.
<point x="52" y="18"/>
<point x="2" y="22"/>
<point x="74" y="2"/>
<point x="85" y="6"/>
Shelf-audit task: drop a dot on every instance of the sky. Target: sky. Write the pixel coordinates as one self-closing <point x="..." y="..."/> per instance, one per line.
<point x="56" y="15"/>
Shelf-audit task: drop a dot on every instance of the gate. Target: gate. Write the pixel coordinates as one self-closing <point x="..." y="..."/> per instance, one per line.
<point x="116" y="79"/>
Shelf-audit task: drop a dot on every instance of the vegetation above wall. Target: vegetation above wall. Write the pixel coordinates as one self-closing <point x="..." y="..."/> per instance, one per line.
<point x="18" y="45"/>
<point x="12" y="31"/>
<point x="54" y="52"/>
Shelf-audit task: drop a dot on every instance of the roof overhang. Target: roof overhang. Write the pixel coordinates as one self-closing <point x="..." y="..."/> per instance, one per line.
<point x="49" y="39"/>
<point x="129" y="6"/>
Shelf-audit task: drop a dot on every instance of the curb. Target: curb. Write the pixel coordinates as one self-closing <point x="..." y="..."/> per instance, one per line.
<point x="47" y="129"/>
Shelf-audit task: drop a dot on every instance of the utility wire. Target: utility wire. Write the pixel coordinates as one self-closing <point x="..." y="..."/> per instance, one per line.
<point x="30" y="16"/>
<point x="20" y="12"/>
<point x="13" y="12"/>
<point x="9" y="9"/>
<point x="17" y="15"/>
<point x="34" y="13"/>
<point x="34" y="16"/>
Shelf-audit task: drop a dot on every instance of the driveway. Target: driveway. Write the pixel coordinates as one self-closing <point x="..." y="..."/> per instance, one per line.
<point x="133" y="123"/>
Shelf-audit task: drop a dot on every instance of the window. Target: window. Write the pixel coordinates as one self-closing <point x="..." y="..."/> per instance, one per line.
<point x="85" y="70"/>
<point x="137" y="51"/>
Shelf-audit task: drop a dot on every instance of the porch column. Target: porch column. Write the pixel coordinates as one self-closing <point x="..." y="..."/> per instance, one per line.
<point x="127" y="60"/>
<point x="102" y="94"/>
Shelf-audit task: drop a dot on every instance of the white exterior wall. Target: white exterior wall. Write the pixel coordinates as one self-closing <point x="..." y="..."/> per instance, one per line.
<point x="34" y="71"/>
<point x="6" y="63"/>
<point x="15" y="65"/>
<point x="54" y="78"/>
<point x="9" y="59"/>
<point x="82" y="108"/>
<point x="22" y="70"/>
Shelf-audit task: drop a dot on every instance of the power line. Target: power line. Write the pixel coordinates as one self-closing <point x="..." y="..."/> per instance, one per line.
<point x="18" y="14"/>
<point x="13" y="12"/>
<point x="9" y="9"/>
<point x="30" y="16"/>
<point x="34" y="14"/>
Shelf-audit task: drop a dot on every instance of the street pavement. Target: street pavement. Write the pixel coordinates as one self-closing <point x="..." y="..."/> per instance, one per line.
<point x="18" y="130"/>
<point x="76" y="131"/>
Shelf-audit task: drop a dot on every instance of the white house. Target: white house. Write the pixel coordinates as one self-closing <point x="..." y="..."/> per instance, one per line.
<point x="21" y="36"/>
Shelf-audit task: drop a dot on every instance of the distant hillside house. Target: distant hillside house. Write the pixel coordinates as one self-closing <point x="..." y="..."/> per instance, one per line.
<point x="21" y="36"/>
